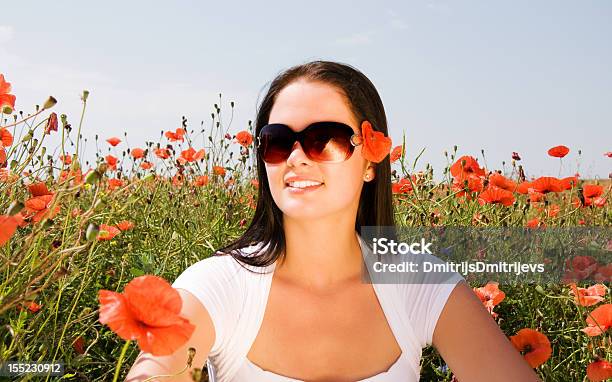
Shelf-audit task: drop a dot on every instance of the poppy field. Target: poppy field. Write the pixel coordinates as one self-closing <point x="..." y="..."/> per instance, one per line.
<point x="90" y="246"/>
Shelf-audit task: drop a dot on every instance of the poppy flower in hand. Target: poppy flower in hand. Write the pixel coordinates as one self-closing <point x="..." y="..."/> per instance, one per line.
<point x="147" y="311"/>
<point x="376" y="146"/>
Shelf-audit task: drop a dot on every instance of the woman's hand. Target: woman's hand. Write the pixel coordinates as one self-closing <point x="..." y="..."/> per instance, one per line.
<point x="147" y="365"/>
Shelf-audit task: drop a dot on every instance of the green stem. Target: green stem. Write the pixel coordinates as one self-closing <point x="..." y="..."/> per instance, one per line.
<point x="120" y="361"/>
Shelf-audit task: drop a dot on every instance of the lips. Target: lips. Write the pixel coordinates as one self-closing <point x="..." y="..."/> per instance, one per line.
<point x="301" y="179"/>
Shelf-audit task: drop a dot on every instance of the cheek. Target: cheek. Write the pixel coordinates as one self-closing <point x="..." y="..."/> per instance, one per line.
<point x="274" y="174"/>
<point x="345" y="182"/>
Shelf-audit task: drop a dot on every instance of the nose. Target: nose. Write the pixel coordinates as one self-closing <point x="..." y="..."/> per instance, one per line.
<point x="297" y="156"/>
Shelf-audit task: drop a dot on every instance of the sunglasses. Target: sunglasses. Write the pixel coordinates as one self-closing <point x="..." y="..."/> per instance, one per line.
<point x="324" y="142"/>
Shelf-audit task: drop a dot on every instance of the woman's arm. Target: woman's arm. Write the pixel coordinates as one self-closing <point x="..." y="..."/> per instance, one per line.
<point x="202" y="339"/>
<point x="473" y="345"/>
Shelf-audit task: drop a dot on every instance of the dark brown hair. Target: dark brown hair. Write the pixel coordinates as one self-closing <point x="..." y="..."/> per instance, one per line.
<point x="376" y="200"/>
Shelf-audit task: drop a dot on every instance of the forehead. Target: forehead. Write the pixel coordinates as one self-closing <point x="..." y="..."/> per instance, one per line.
<point x="303" y="102"/>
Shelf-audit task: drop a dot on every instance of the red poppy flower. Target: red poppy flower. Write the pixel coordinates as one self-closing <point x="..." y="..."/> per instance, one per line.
<point x="501" y="181"/>
<point x="111" y="161"/>
<point x="255" y="183"/>
<point x="177" y="180"/>
<point x="535" y="345"/>
<point x="599" y="371"/>
<point x="176" y="136"/>
<point x="535" y="196"/>
<point x="376" y="146"/>
<point x="107" y="232"/>
<point x="396" y="153"/>
<point x="468" y="184"/>
<point x="592" y="190"/>
<point x="402" y="187"/>
<point x="190" y="155"/>
<point x="490" y="295"/>
<point x="553" y="210"/>
<point x="546" y="184"/>
<point x="218" y="170"/>
<point x="146" y="165"/>
<point x="79" y="345"/>
<point x="147" y="311"/>
<point x="244" y="138"/>
<point x="51" y="123"/>
<point x="76" y="175"/>
<point x="533" y="223"/>
<point x="599" y="320"/>
<point x="588" y="296"/>
<point x="201" y="181"/>
<point x="523" y="188"/>
<point x="8" y="226"/>
<point x="67" y="159"/>
<point x="579" y="268"/>
<point x="162" y="153"/>
<point x="2" y="154"/>
<point x="6" y="137"/>
<point x="494" y="194"/>
<point x="137" y="153"/>
<point x="31" y="306"/>
<point x="125" y="225"/>
<point x="113" y="141"/>
<point x="114" y="183"/>
<point x="38" y="205"/>
<point x="6" y="176"/>
<point x="603" y="274"/>
<point x="466" y="166"/>
<point x="608" y="154"/>
<point x="6" y="100"/>
<point x="569" y="182"/>
<point x="558" y="151"/>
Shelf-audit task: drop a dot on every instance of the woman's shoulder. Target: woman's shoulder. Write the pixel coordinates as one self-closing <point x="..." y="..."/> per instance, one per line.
<point x="218" y="266"/>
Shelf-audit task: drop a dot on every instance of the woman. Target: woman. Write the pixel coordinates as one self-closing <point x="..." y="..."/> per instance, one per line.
<point x="286" y="301"/>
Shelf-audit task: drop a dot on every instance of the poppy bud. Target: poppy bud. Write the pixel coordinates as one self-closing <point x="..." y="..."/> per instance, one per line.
<point x="28" y="136"/>
<point x="102" y="167"/>
<point x="540" y="290"/>
<point x="92" y="177"/>
<point x="14" y="208"/>
<point x="92" y="232"/>
<point x="7" y="110"/>
<point x="49" y="103"/>
<point x="191" y="353"/>
<point x="85" y="95"/>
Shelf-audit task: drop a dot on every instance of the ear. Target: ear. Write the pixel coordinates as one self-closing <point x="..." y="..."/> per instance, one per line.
<point x="370" y="172"/>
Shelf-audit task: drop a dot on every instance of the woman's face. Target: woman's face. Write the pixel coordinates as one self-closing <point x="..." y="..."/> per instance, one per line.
<point x="297" y="106"/>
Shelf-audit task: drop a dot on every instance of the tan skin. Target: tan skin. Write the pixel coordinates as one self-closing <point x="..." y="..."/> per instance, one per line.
<point x="317" y="302"/>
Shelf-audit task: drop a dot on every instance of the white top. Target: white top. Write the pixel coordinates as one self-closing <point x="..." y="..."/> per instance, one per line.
<point x="236" y="300"/>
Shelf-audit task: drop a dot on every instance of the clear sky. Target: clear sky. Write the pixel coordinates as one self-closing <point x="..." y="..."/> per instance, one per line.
<point x="500" y="76"/>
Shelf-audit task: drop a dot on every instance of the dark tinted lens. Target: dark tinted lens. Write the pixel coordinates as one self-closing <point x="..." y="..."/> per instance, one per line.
<point x="276" y="143"/>
<point x="328" y="141"/>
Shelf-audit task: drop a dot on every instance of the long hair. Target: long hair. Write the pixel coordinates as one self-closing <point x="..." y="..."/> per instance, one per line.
<point x="376" y="199"/>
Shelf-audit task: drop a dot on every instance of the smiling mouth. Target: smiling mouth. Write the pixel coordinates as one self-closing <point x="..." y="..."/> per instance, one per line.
<point x="303" y="185"/>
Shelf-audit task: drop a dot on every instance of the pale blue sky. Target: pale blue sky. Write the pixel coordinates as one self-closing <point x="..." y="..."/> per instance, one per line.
<point x="515" y="76"/>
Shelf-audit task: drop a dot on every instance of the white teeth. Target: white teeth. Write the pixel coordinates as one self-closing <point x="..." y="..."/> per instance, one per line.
<point x="303" y="184"/>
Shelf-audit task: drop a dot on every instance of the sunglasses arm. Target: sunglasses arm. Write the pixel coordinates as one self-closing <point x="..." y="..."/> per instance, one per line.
<point x="356" y="139"/>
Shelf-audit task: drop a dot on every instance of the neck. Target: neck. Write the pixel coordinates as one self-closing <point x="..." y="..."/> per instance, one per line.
<point x="321" y="255"/>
